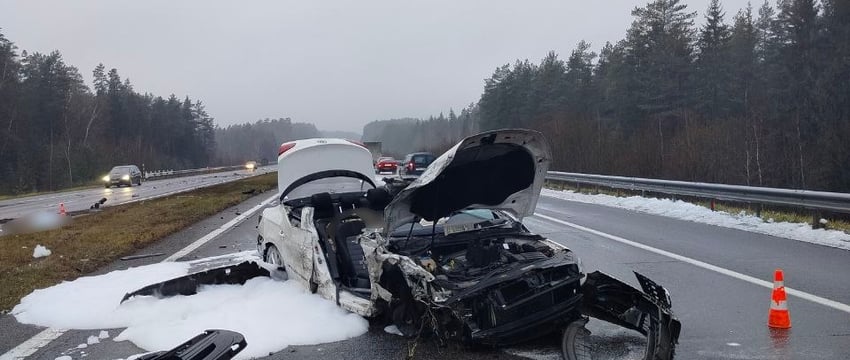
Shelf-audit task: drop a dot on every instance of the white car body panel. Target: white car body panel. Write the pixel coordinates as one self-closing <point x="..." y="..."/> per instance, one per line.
<point x="312" y="156"/>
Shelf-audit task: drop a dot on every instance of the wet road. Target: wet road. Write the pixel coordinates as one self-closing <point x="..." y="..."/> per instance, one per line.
<point x="723" y="317"/>
<point x="82" y="199"/>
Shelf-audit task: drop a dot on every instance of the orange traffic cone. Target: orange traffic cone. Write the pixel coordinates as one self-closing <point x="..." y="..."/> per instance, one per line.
<point x="62" y="209"/>
<point x="778" y="317"/>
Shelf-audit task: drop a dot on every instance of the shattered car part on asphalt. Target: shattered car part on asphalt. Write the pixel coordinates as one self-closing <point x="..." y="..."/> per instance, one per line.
<point x="446" y="253"/>
<point x="209" y="345"/>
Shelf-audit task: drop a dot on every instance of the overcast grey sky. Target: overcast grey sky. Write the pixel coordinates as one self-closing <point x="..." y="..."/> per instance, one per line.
<point x="337" y="64"/>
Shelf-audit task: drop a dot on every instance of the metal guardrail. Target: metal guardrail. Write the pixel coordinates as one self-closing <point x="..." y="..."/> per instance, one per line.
<point x="162" y="174"/>
<point x="811" y="200"/>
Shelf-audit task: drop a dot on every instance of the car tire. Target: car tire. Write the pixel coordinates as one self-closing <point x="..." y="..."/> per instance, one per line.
<point x="576" y="345"/>
<point x="574" y="341"/>
<point x="272" y="256"/>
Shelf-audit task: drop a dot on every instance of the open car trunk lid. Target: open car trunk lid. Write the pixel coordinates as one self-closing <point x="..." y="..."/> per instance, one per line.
<point x="307" y="160"/>
<point x="500" y="170"/>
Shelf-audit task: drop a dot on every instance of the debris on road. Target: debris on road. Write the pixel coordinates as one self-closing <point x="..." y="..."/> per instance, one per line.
<point x="41" y="251"/>
<point x="141" y="256"/>
<point x="97" y="204"/>
<point x="392" y="329"/>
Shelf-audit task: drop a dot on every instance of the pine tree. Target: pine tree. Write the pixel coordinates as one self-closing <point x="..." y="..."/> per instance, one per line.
<point x="712" y="70"/>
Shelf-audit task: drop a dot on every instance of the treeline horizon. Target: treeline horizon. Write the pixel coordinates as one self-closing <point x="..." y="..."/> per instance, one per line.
<point x="758" y="98"/>
<point x="436" y="134"/>
<point x="56" y="132"/>
<point x="258" y="141"/>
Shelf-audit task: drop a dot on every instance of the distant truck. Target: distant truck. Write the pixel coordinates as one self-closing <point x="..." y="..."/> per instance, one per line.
<point x="375" y="148"/>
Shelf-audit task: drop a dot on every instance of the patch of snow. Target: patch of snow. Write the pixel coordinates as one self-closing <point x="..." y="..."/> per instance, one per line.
<point x="82" y="346"/>
<point x="270" y="314"/>
<point x="392" y="329"/>
<point x="92" y="340"/>
<point x="41" y="251"/>
<point x="690" y="212"/>
<point x="823" y="221"/>
<point x="64" y="357"/>
<point x="733" y="344"/>
<point x="103" y="334"/>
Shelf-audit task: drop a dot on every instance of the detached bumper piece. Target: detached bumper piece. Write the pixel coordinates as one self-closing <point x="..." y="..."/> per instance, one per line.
<point x="647" y="312"/>
<point x="523" y="309"/>
<point x="209" y="345"/>
<point x="189" y="284"/>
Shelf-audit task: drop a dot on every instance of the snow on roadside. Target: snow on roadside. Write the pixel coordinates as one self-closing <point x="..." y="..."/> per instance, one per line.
<point x="40" y="251"/>
<point x="271" y="314"/>
<point x="690" y="212"/>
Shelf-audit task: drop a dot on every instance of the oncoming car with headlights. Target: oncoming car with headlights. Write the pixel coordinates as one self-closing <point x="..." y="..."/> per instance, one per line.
<point x="123" y="175"/>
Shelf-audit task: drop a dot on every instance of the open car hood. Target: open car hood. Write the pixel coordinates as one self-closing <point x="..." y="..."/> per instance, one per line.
<point x="500" y="169"/>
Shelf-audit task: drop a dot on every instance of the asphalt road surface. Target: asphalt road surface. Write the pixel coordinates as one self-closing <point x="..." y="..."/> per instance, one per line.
<point x="723" y="317"/>
<point x="82" y="199"/>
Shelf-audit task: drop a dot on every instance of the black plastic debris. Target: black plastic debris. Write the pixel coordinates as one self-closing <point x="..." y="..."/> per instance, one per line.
<point x="209" y="345"/>
<point x="97" y="204"/>
<point x="189" y="284"/>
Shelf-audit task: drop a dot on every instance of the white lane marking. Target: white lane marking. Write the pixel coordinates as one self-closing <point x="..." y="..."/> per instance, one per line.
<point x="198" y="243"/>
<point x="768" y="284"/>
<point x="43" y="338"/>
<point x="30" y="346"/>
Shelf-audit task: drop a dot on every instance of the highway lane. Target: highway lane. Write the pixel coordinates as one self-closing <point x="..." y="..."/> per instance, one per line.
<point x="82" y="199"/>
<point x="722" y="317"/>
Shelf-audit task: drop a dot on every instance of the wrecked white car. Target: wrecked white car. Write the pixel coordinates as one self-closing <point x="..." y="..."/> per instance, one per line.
<point x="448" y="254"/>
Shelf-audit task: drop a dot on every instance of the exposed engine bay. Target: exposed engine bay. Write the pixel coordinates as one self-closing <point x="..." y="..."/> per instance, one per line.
<point x="481" y="257"/>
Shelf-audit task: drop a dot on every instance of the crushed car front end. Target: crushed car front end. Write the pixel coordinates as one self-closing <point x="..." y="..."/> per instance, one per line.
<point x="495" y="282"/>
<point x="516" y="303"/>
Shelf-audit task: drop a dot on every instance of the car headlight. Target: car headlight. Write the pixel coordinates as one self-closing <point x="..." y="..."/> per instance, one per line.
<point x="105" y="178"/>
<point x="125" y="177"/>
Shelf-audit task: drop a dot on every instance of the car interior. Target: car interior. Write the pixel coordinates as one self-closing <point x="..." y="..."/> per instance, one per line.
<point x="339" y="220"/>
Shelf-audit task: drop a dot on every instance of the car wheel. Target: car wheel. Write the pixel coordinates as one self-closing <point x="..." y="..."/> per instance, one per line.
<point x="272" y="256"/>
<point x="574" y="341"/>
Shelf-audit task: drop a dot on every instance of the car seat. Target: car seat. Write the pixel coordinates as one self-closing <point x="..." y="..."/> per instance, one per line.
<point x="353" y="268"/>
